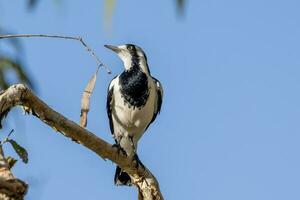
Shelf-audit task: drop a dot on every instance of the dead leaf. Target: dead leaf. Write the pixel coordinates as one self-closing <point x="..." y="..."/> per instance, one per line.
<point x="85" y="100"/>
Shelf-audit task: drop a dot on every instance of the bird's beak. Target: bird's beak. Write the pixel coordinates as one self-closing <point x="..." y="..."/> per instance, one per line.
<point x="113" y="48"/>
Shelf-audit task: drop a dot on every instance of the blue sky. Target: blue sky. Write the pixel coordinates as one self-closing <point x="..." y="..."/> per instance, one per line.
<point x="229" y="126"/>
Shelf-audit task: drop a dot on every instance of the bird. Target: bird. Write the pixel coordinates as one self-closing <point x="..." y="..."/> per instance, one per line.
<point x="134" y="100"/>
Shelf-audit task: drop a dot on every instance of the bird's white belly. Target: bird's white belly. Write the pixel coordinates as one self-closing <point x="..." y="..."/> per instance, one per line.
<point x="134" y="118"/>
<point x="132" y="121"/>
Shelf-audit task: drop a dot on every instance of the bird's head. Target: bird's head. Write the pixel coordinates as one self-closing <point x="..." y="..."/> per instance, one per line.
<point x="131" y="55"/>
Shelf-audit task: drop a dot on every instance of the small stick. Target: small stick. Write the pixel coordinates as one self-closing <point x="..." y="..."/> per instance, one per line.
<point x="99" y="63"/>
<point x="7" y="138"/>
<point x="12" y="130"/>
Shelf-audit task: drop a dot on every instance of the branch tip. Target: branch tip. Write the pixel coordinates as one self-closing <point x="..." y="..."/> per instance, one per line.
<point x="78" y="38"/>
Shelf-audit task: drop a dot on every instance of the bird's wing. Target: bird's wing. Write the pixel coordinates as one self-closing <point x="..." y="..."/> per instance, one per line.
<point x="109" y="104"/>
<point x="159" y="93"/>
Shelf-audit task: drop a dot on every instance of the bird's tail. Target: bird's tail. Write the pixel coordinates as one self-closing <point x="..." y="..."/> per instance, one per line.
<point x="121" y="177"/>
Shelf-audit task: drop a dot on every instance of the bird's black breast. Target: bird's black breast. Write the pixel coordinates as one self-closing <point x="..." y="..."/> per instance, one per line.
<point x="134" y="87"/>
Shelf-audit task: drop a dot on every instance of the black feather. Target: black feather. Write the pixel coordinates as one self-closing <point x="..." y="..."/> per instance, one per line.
<point x="159" y="103"/>
<point x="134" y="85"/>
<point x="121" y="177"/>
<point x="109" y="109"/>
<point x="159" y="97"/>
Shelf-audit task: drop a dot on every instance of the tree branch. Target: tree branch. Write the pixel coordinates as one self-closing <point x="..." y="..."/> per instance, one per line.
<point x="142" y="178"/>
<point x="99" y="63"/>
<point x="11" y="188"/>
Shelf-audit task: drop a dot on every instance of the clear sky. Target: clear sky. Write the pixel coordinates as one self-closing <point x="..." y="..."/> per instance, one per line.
<point x="229" y="127"/>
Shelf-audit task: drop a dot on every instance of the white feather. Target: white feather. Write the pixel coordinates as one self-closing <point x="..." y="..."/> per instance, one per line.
<point x="129" y="122"/>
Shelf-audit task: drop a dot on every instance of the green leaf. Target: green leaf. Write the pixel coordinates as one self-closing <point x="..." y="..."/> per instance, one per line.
<point x="15" y="43"/>
<point x="3" y="82"/>
<point x="22" y="153"/>
<point x="31" y="3"/>
<point x="8" y="64"/>
<point x="180" y="6"/>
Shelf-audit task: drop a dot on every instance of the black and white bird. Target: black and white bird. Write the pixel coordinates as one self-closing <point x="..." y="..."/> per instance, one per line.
<point x="134" y="99"/>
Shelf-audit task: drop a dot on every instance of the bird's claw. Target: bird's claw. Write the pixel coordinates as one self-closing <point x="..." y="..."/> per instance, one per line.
<point x="119" y="149"/>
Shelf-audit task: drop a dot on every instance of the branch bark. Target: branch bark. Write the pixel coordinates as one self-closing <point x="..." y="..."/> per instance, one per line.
<point x="142" y="178"/>
<point x="11" y="188"/>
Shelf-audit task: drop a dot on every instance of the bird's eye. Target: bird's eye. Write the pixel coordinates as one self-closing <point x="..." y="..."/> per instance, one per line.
<point x="130" y="48"/>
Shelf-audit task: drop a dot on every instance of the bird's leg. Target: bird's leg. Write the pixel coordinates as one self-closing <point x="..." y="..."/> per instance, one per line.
<point x="119" y="148"/>
<point x="135" y="157"/>
<point x="137" y="161"/>
<point x="132" y="143"/>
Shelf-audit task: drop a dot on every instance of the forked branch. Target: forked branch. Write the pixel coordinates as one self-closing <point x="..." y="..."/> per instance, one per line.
<point x="99" y="63"/>
<point x="20" y="95"/>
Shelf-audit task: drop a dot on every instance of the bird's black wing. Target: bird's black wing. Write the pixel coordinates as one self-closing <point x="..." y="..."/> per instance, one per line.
<point x="160" y="93"/>
<point x="109" y="108"/>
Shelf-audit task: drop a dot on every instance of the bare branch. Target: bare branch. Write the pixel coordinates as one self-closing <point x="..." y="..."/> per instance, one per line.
<point x="142" y="178"/>
<point x="3" y="162"/>
<point x="99" y="63"/>
<point x="11" y="188"/>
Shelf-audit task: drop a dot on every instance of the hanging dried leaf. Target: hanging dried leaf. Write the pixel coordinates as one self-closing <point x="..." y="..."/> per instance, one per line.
<point x="85" y="100"/>
<point x="22" y="153"/>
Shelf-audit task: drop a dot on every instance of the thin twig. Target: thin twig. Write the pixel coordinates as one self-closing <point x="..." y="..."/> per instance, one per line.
<point x="12" y="130"/>
<point x="99" y="63"/>
<point x="7" y="138"/>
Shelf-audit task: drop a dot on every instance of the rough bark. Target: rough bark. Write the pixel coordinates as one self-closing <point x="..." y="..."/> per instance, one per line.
<point x="142" y="178"/>
<point x="11" y="188"/>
